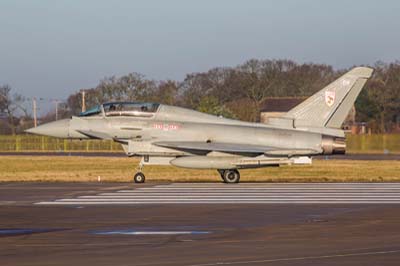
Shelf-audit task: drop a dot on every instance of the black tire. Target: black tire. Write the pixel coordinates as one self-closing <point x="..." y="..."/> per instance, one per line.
<point x="231" y="176"/>
<point x="139" y="178"/>
<point x="221" y="173"/>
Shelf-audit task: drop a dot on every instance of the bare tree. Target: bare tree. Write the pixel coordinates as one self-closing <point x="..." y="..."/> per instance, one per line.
<point x="10" y="105"/>
<point x="167" y="92"/>
<point x="241" y="90"/>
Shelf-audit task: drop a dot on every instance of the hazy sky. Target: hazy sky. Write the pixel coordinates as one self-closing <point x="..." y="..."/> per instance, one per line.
<point x="51" y="48"/>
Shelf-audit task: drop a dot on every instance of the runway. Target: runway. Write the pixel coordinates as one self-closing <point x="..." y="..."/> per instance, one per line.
<point x="244" y="193"/>
<point x="193" y="224"/>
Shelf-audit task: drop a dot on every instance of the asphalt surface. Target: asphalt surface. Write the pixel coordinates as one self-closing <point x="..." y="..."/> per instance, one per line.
<point x="372" y="157"/>
<point x="199" y="224"/>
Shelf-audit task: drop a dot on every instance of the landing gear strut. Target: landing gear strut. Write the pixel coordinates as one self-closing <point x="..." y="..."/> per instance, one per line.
<point x="230" y="176"/>
<point x="139" y="176"/>
<point x="221" y="173"/>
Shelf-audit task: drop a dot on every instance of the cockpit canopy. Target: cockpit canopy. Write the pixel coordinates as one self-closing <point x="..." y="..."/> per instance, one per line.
<point x="130" y="109"/>
<point x="136" y="109"/>
<point x="92" y="111"/>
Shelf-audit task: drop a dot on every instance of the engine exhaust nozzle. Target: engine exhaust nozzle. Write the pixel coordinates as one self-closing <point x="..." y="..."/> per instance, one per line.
<point x="333" y="145"/>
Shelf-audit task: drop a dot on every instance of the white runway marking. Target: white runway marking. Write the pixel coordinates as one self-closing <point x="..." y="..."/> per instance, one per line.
<point x="247" y="193"/>
<point x="127" y="232"/>
<point x="321" y="257"/>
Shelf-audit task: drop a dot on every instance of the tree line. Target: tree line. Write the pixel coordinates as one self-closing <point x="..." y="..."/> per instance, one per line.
<point x="239" y="92"/>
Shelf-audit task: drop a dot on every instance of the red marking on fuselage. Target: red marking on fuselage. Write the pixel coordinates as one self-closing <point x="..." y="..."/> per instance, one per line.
<point x="166" y="127"/>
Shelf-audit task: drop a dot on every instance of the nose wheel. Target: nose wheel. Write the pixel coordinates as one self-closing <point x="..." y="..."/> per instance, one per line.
<point x="139" y="178"/>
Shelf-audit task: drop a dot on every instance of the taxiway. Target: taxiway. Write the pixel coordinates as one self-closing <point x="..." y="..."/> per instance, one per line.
<point x="199" y="224"/>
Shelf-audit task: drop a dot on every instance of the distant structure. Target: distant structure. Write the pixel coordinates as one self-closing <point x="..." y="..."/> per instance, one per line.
<point x="278" y="106"/>
<point x="396" y="128"/>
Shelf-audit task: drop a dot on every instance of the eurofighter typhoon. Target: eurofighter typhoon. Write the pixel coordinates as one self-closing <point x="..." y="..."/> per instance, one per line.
<point x="168" y="135"/>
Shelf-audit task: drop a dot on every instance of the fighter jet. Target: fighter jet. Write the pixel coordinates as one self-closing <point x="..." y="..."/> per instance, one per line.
<point x="169" y="135"/>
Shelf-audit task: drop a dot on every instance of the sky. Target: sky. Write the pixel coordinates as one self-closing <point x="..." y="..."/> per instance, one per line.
<point x="50" y="49"/>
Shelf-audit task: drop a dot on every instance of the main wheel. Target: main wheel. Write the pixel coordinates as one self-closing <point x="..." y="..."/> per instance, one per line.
<point x="231" y="176"/>
<point x="139" y="177"/>
<point x="221" y="173"/>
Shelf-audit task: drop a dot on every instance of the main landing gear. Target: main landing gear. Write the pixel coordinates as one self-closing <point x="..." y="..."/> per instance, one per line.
<point x="230" y="176"/>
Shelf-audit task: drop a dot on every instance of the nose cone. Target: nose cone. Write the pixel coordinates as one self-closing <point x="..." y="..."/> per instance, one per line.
<point x="58" y="129"/>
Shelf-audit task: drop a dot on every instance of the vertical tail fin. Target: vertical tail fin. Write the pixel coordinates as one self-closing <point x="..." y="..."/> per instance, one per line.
<point x="330" y="106"/>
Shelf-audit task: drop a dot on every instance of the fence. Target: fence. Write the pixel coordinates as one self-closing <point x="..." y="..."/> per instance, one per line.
<point x="375" y="143"/>
<point x="389" y="143"/>
<point x="26" y="143"/>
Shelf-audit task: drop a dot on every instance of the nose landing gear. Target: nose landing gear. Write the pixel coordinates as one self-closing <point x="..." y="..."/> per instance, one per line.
<point x="139" y="177"/>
